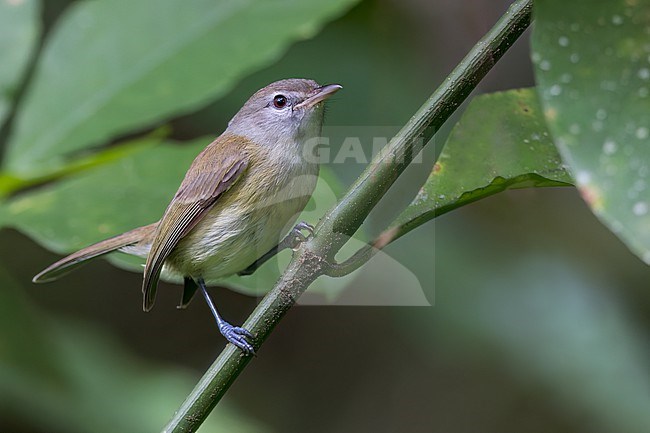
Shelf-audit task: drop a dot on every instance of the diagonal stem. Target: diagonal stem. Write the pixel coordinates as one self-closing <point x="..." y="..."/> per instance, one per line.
<point x="344" y="220"/>
<point x="312" y="257"/>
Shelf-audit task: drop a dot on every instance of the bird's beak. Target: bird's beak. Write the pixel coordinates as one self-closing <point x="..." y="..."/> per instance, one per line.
<point x="320" y="94"/>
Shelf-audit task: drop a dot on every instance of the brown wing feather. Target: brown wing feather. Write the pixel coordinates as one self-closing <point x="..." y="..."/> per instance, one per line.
<point x="212" y="173"/>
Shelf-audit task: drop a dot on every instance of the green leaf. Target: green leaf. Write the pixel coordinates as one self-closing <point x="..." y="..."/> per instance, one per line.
<point x="111" y="67"/>
<point x="592" y="64"/>
<point x="10" y="184"/>
<point x="500" y="143"/>
<point x="19" y="30"/>
<point x="105" y="201"/>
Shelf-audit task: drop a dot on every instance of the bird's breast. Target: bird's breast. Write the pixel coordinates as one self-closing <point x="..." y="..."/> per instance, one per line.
<point x="247" y="221"/>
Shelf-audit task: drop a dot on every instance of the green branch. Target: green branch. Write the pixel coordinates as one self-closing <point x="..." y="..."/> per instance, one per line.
<point x="315" y="256"/>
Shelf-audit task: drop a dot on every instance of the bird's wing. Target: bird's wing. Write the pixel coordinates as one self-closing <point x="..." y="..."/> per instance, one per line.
<point x="212" y="173"/>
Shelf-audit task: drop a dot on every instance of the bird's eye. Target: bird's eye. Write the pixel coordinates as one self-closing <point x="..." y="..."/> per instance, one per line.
<point x="280" y="101"/>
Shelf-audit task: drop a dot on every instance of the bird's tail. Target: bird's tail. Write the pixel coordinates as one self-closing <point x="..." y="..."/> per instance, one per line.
<point x="74" y="260"/>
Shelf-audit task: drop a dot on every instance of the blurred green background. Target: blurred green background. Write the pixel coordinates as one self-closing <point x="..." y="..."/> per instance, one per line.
<point x="539" y="316"/>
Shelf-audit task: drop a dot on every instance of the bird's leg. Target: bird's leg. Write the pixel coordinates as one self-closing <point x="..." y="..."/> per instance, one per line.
<point x="292" y="240"/>
<point x="234" y="334"/>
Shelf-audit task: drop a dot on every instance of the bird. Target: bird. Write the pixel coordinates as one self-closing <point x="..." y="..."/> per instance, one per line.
<point x="237" y="199"/>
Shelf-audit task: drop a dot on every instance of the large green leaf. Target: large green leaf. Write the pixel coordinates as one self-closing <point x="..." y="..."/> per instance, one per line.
<point x="10" y="184"/>
<point x="592" y="64"/>
<point x="501" y="142"/>
<point x="110" y="67"/>
<point x="105" y="201"/>
<point x="19" y="30"/>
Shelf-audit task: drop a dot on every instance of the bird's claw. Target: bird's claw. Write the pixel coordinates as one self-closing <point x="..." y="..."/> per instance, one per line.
<point x="305" y="226"/>
<point x="238" y="336"/>
<point x="297" y="236"/>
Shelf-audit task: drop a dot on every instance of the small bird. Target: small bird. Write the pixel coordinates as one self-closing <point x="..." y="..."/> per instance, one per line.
<point x="235" y="202"/>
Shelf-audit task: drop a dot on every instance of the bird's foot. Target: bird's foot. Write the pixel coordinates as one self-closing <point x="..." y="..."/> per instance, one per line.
<point x="237" y="336"/>
<point x="296" y="237"/>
